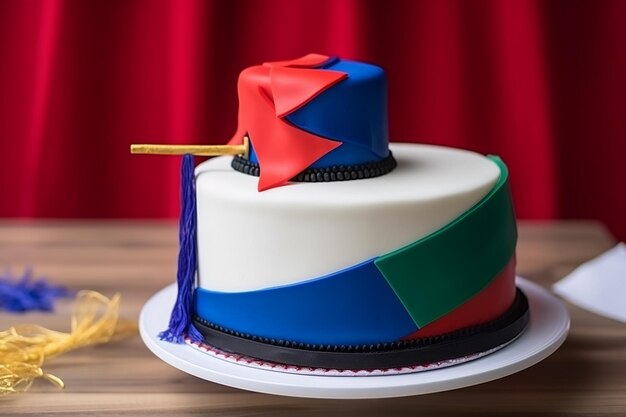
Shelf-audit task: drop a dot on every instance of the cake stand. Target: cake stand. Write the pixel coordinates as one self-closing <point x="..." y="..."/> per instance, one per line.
<point x="548" y="327"/>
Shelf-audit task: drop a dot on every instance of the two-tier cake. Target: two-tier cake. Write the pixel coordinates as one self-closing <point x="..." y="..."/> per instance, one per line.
<point x="323" y="246"/>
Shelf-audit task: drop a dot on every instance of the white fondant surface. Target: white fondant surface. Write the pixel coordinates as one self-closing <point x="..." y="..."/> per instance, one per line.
<point x="248" y="240"/>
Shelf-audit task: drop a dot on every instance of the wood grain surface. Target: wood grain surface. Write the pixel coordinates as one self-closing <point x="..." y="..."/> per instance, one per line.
<point x="586" y="377"/>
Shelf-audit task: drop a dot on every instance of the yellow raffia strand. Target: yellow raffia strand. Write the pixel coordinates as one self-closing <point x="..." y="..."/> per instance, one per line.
<point x="24" y="348"/>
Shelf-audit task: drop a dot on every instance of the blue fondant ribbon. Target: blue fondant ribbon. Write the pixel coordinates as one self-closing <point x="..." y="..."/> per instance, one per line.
<point x="335" y="309"/>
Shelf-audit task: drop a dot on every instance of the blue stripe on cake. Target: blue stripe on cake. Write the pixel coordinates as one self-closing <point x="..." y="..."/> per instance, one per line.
<point x="353" y="306"/>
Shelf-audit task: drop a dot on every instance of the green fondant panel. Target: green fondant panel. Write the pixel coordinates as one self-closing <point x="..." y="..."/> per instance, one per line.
<point x="439" y="272"/>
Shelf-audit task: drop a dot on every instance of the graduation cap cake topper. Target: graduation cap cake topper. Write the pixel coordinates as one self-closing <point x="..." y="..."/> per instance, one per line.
<point x="315" y="118"/>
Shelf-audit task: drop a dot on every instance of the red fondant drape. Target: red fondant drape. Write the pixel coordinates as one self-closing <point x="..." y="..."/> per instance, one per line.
<point x="541" y="83"/>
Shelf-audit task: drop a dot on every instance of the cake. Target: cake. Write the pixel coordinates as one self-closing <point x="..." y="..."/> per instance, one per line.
<point x="325" y="247"/>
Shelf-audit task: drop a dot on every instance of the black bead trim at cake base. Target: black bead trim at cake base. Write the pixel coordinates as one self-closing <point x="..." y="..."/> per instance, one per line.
<point x="334" y="173"/>
<point x="423" y="351"/>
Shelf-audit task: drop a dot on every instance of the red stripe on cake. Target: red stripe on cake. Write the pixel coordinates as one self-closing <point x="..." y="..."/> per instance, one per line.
<point x="487" y="305"/>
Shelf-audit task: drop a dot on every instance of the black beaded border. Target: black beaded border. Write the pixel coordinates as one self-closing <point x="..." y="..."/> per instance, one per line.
<point x="400" y="353"/>
<point x="334" y="173"/>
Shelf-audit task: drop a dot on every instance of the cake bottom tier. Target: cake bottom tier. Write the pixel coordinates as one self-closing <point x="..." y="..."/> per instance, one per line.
<point x="405" y="352"/>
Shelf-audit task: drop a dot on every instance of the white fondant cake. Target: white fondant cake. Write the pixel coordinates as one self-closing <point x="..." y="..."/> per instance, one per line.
<point x="316" y="246"/>
<point x="249" y="240"/>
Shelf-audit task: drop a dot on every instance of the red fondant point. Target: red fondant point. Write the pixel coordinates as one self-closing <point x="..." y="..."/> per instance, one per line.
<point x="286" y="160"/>
<point x="269" y="92"/>
<point x="307" y="61"/>
<point x="292" y="88"/>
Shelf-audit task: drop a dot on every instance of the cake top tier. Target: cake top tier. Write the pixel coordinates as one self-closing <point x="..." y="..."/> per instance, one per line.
<point x="313" y="115"/>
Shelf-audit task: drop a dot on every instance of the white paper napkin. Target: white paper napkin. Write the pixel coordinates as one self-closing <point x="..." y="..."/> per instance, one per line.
<point x="599" y="285"/>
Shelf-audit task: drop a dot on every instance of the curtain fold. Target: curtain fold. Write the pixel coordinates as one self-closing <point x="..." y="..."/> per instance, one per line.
<point x="540" y="83"/>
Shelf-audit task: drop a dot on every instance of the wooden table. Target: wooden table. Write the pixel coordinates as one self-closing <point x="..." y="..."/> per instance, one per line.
<point x="587" y="376"/>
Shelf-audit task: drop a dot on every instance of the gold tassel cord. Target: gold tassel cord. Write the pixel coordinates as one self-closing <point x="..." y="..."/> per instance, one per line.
<point x="25" y="348"/>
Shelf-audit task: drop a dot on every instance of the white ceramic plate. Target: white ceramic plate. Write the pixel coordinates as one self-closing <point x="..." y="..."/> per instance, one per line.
<point x="549" y="324"/>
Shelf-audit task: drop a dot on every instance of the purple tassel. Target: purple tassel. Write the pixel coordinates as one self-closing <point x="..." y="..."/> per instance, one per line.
<point x="180" y="319"/>
<point x="26" y="294"/>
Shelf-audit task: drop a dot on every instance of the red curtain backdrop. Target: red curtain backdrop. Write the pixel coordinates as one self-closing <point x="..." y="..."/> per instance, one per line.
<point x="540" y="83"/>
